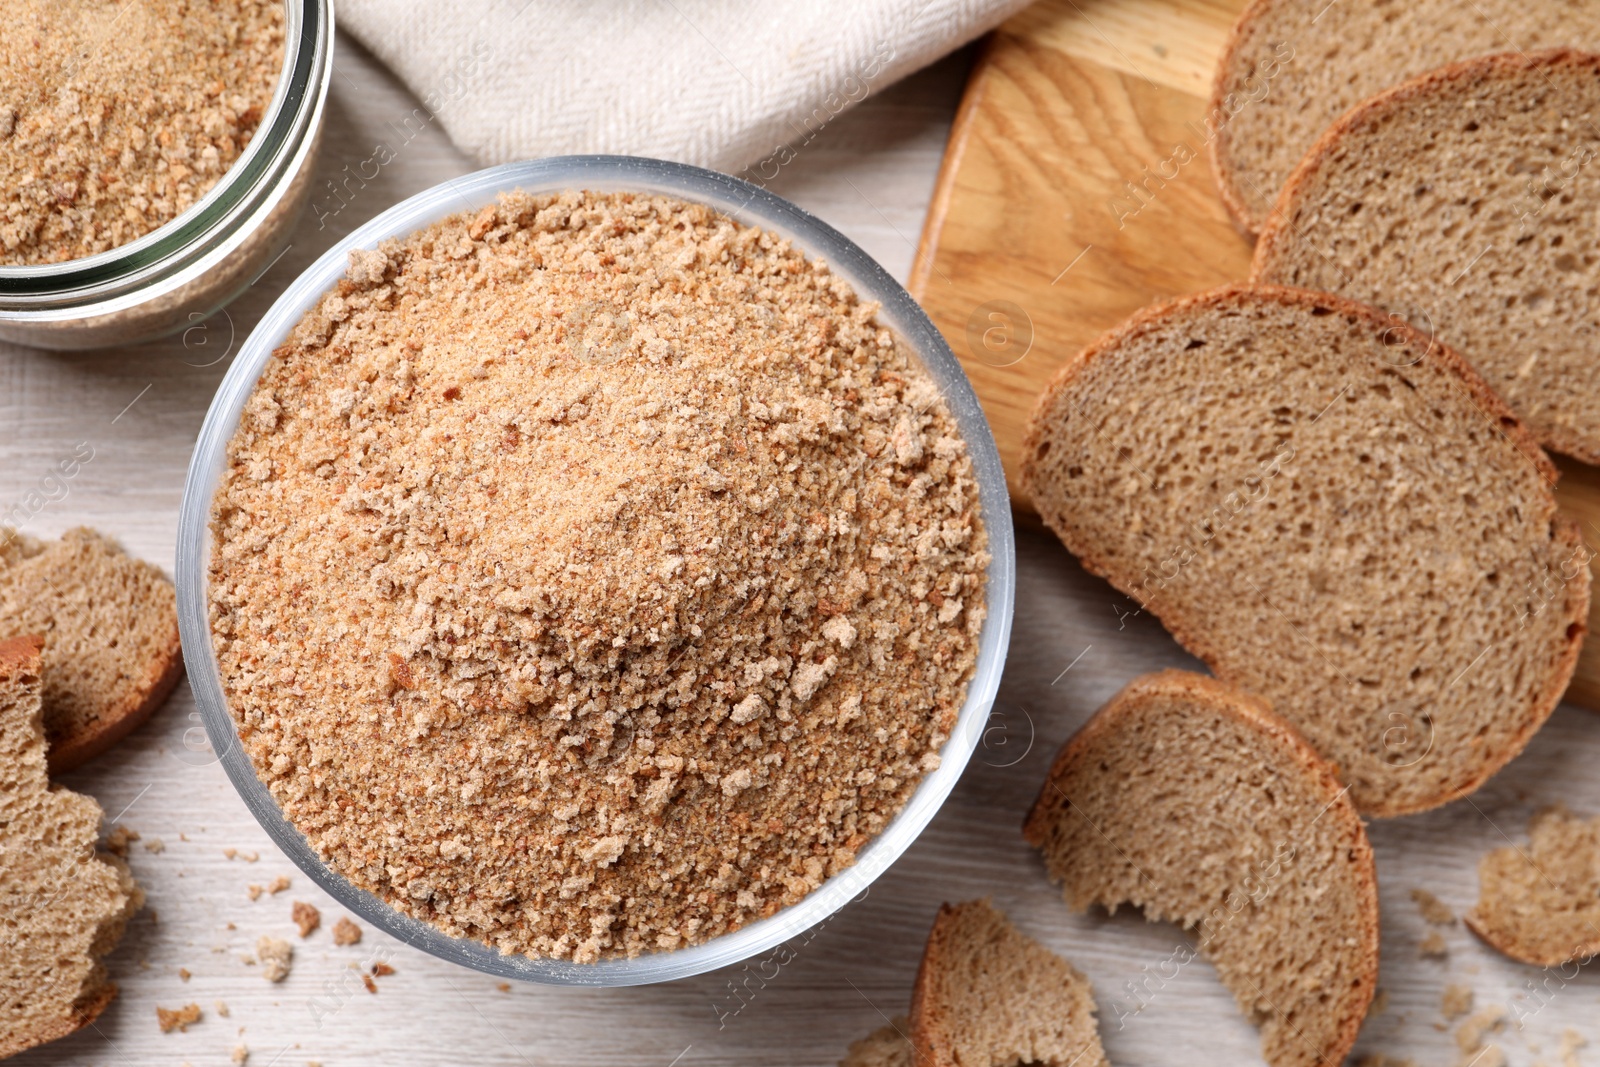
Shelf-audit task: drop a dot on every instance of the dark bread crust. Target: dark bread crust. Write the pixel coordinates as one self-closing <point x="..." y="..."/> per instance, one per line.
<point x="1293" y="751"/>
<point x="1277" y="235"/>
<point x="930" y="1037"/>
<point x="1193" y="634"/>
<point x="1222" y="85"/>
<point x="1508" y="946"/>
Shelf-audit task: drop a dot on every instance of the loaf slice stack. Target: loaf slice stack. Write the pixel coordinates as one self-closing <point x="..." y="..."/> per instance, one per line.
<point x="989" y="996"/>
<point x="1333" y="512"/>
<point x="1541" y="904"/>
<point x="64" y="905"/>
<point x="1464" y="202"/>
<point x="110" y="626"/>
<point x="1193" y="801"/>
<point x="1292" y="67"/>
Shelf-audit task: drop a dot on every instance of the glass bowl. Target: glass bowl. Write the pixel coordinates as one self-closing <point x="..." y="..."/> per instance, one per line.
<point x="180" y="273"/>
<point x="745" y="203"/>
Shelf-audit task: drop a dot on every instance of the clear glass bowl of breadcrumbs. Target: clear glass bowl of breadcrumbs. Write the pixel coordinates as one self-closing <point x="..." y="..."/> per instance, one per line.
<point x="746" y="204"/>
<point x="181" y="272"/>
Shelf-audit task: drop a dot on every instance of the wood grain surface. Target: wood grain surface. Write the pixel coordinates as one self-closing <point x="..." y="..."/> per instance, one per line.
<point x="1077" y="189"/>
<point x="871" y="173"/>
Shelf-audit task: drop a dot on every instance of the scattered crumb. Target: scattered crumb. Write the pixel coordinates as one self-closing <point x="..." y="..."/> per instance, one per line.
<point x="183" y="972"/>
<point x="504" y="987"/>
<point x="249" y="857"/>
<point x="275" y="954"/>
<point x="154" y="845"/>
<point x="1469" y="1035"/>
<point x="1433" y="946"/>
<point x="179" y="1019"/>
<point x="255" y="892"/>
<point x="222" y="1008"/>
<point x="381" y="969"/>
<point x="1456" y="1002"/>
<point x="346" y="932"/>
<point x="306" y="917"/>
<point x="1433" y="909"/>
<point x="117" y="840"/>
<point x="230" y="852"/>
<point x="240" y="1054"/>
<point x="279" y="884"/>
<point x="1571" y="1042"/>
<point x="144" y="964"/>
<point x="1380" y="1003"/>
<point x="366" y="980"/>
<point x="185" y="837"/>
<point x="231" y="926"/>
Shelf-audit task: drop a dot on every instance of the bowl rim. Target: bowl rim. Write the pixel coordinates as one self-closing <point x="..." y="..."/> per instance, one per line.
<point x="750" y="205"/>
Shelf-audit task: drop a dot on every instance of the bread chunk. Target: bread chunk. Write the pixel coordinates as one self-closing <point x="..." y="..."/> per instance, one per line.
<point x="65" y="904"/>
<point x="1193" y="801"/>
<point x="987" y="995"/>
<point x="110" y="626"/>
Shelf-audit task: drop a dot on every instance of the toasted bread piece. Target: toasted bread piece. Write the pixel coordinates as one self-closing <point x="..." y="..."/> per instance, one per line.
<point x="1462" y="202"/>
<point x="110" y="626"/>
<point x="989" y="996"/>
<point x="1193" y="801"/>
<point x="1541" y="904"/>
<point x="1308" y="494"/>
<point x="65" y="905"/>
<point x="1290" y="68"/>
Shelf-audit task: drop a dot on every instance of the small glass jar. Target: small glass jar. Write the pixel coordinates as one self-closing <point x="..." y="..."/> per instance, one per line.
<point x="181" y="272"/>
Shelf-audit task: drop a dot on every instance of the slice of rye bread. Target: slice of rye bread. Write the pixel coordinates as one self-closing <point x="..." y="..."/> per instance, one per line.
<point x="1331" y="512"/>
<point x="987" y="995"/>
<point x="110" y="624"/>
<point x="887" y="1046"/>
<point x="1193" y="801"/>
<point x="1464" y="202"/>
<point x="65" y="905"/>
<point x="1541" y="904"/>
<point x="1290" y="68"/>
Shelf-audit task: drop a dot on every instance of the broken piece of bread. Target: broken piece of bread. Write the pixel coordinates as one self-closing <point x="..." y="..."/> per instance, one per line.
<point x="110" y="628"/>
<point x="989" y="996"/>
<point x="1541" y="904"/>
<point x="64" y="905"/>
<point x="1194" y="802"/>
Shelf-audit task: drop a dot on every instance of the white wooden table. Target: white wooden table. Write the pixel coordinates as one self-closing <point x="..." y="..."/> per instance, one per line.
<point x="870" y="174"/>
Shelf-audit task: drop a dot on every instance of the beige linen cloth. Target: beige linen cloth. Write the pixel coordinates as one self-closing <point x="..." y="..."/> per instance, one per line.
<point x="717" y="83"/>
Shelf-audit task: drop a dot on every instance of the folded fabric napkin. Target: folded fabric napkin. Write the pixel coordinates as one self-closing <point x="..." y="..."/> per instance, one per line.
<point x="717" y="83"/>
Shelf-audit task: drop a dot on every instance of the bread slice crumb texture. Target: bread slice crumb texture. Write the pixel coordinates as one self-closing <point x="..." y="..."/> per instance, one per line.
<point x="110" y="627"/>
<point x="1540" y="903"/>
<point x="1462" y="201"/>
<point x="1292" y="67"/>
<point x="988" y="995"/>
<point x="1310" y="495"/>
<point x="63" y="904"/>
<point x="1197" y="804"/>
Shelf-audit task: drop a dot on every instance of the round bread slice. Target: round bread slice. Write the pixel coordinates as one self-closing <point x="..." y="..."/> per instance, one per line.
<point x="1194" y="802"/>
<point x="110" y="625"/>
<point x="988" y="995"/>
<point x="1463" y="202"/>
<point x="1292" y="67"/>
<point x="1541" y="904"/>
<point x="65" y="905"/>
<point x="1332" y="512"/>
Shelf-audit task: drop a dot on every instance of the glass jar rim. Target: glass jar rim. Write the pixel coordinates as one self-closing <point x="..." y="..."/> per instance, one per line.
<point x="139" y="267"/>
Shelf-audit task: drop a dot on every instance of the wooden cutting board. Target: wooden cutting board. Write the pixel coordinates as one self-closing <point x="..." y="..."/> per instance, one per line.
<point x="1077" y="188"/>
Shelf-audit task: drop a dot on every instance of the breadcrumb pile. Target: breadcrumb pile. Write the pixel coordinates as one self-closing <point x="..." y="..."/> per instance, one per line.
<point x="594" y="575"/>
<point x="117" y="115"/>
